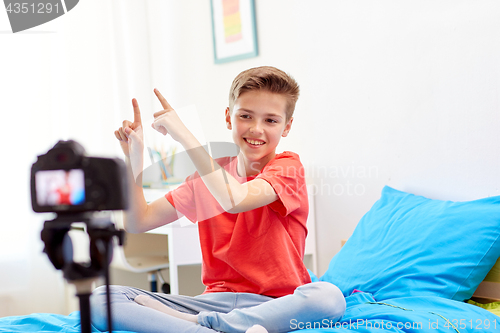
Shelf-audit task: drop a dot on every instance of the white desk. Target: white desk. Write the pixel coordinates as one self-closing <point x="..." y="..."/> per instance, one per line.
<point x="183" y="242"/>
<point x="146" y="252"/>
<point x="170" y="246"/>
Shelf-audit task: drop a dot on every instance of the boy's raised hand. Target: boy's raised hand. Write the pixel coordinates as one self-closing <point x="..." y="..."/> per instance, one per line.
<point x="130" y="134"/>
<point x="167" y="121"/>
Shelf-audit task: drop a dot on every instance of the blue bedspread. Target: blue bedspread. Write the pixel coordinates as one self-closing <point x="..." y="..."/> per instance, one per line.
<point x="44" y="322"/>
<point x="408" y="314"/>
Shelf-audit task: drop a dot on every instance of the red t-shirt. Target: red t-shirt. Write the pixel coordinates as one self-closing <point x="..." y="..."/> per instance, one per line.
<point x="259" y="251"/>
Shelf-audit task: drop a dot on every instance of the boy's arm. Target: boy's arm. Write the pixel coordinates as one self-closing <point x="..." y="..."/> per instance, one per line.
<point x="233" y="196"/>
<point x="229" y="193"/>
<point x="140" y="216"/>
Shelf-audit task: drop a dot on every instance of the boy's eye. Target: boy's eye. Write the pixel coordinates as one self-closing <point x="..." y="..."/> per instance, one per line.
<point x="271" y="121"/>
<point x="244" y="116"/>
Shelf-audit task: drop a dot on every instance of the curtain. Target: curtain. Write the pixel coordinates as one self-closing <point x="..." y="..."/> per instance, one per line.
<point x="72" y="78"/>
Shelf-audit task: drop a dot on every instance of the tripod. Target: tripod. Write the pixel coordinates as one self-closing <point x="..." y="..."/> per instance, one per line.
<point x="59" y="249"/>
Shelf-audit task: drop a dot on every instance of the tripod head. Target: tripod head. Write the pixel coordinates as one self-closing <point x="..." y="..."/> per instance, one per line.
<point x="59" y="248"/>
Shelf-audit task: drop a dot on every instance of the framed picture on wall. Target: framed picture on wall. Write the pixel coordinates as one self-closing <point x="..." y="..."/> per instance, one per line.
<point x="234" y="30"/>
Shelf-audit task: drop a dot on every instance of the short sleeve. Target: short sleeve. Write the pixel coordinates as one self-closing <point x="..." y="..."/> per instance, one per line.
<point x="285" y="173"/>
<point x="182" y="198"/>
<point x="193" y="199"/>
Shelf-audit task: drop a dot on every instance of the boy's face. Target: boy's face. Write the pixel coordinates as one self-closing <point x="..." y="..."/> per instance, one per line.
<point x="258" y="122"/>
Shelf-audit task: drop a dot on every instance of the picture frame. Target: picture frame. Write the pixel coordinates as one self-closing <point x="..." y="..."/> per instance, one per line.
<point x="234" y="30"/>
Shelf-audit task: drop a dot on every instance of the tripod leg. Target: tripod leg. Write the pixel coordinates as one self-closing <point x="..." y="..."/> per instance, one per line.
<point x="85" y="313"/>
<point x="83" y="291"/>
<point x="108" y="293"/>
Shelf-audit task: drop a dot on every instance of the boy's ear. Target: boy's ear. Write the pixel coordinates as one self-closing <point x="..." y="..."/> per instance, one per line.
<point x="228" y="119"/>
<point x="288" y="127"/>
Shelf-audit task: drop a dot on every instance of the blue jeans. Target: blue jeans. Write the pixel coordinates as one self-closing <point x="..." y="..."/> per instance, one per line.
<point x="225" y="312"/>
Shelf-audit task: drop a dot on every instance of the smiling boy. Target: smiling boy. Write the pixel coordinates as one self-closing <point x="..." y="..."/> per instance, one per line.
<point x="259" y="120"/>
<point x="251" y="212"/>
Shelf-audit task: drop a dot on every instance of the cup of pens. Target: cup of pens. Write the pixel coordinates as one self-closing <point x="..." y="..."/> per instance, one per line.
<point x="165" y="158"/>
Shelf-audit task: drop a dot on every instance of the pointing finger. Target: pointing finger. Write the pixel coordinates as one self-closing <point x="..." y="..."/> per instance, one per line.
<point x="137" y="111"/>
<point x="162" y="99"/>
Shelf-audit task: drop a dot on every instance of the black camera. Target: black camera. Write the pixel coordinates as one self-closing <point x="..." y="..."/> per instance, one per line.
<point x="65" y="180"/>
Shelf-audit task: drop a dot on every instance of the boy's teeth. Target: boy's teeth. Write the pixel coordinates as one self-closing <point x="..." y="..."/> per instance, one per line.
<point x="255" y="142"/>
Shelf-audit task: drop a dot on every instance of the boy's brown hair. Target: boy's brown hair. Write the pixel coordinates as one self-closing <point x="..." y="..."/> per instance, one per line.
<point x="265" y="78"/>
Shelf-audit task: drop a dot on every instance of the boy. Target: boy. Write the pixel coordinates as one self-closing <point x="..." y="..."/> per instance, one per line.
<point x="251" y="211"/>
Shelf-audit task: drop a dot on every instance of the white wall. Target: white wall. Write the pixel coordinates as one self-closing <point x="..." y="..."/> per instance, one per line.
<point x="407" y="94"/>
<point x="396" y="93"/>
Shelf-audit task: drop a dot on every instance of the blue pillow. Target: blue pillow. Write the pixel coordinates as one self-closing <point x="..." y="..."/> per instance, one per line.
<point x="408" y="245"/>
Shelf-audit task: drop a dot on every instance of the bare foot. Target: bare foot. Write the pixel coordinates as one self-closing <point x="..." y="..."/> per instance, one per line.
<point x="256" y="329"/>
<point x="157" y="305"/>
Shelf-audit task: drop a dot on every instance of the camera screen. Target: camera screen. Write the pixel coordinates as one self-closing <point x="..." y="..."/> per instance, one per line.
<point x="60" y="187"/>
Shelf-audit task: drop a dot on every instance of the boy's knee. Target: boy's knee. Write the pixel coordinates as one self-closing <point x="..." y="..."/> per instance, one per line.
<point x="99" y="304"/>
<point x="100" y="290"/>
<point x="98" y="307"/>
<point x="324" y="297"/>
<point x="98" y="297"/>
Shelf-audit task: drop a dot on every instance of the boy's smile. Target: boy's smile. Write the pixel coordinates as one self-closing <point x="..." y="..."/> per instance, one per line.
<point x="258" y="121"/>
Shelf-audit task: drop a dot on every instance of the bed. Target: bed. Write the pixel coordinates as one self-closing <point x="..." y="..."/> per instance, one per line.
<point x="412" y="264"/>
